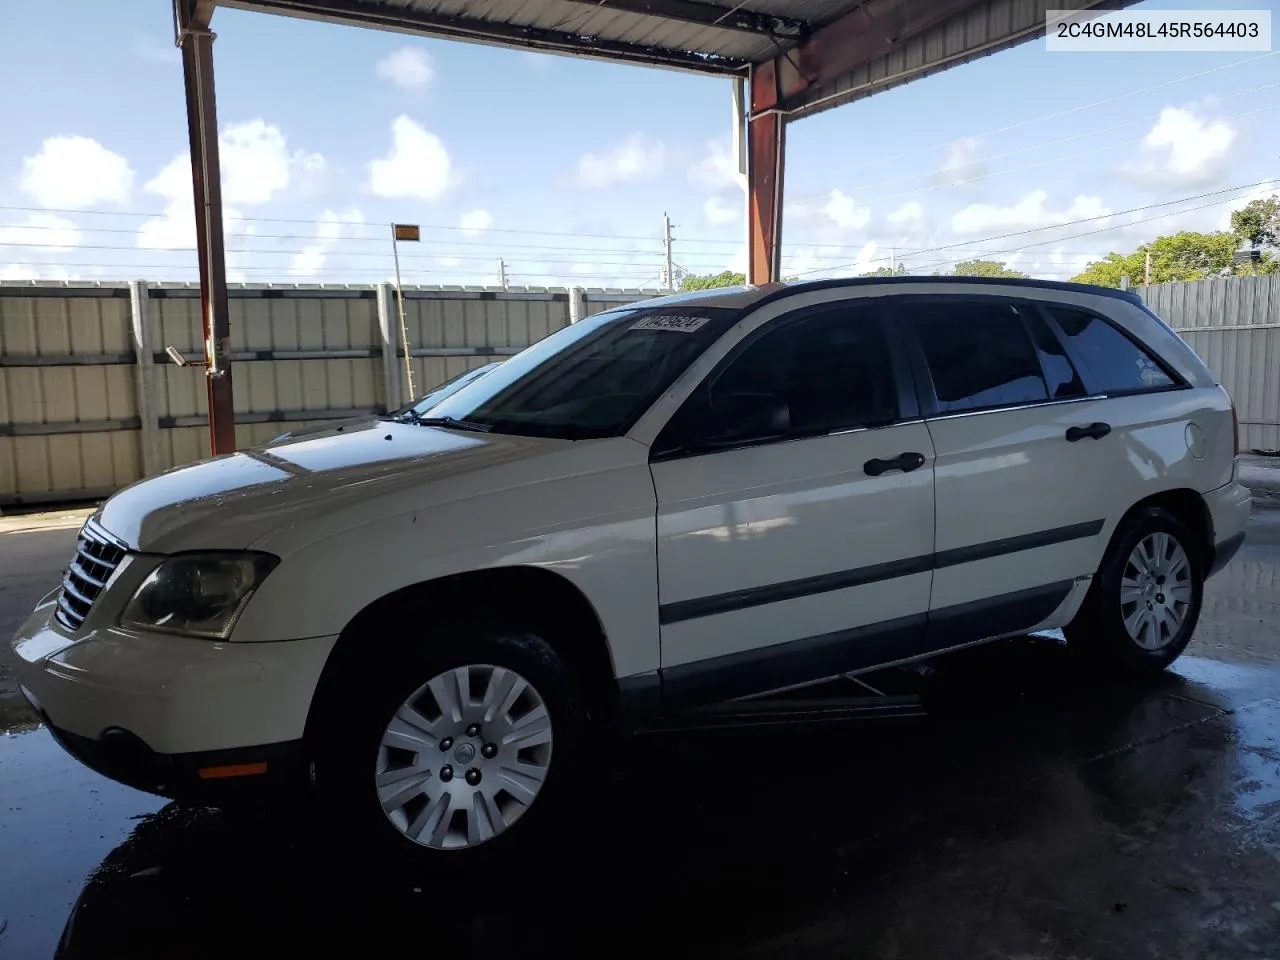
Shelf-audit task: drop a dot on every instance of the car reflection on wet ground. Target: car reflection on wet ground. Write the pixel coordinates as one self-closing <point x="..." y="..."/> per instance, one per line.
<point x="1031" y="813"/>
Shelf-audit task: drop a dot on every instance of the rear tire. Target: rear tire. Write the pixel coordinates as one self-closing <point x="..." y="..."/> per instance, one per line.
<point x="453" y="752"/>
<point x="1145" y="600"/>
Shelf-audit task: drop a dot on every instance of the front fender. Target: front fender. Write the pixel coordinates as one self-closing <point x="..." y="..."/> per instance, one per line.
<point x="595" y="529"/>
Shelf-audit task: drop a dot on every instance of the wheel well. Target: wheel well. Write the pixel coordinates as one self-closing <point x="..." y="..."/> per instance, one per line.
<point x="538" y="599"/>
<point x="1189" y="507"/>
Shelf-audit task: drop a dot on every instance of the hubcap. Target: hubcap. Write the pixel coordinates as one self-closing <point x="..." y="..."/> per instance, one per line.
<point x="464" y="757"/>
<point x="1155" y="591"/>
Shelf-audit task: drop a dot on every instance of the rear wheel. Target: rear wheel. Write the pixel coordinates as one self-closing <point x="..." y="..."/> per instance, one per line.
<point x="1145" y="600"/>
<point x="455" y="750"/>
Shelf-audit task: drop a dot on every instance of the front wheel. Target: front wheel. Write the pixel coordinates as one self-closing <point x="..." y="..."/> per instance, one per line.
<point x="1145" y="600"/>
<point x="456" y="748"/>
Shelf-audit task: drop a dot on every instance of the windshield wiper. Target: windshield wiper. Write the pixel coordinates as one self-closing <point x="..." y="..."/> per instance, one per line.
<point x="452" y="423"/>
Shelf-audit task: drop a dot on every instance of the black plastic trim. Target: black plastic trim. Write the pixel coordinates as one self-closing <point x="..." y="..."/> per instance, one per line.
<point x="791" y="290"/>
<point x="124" y="757"/>
<point x="681" y="610"/>
<point x="1224" y="552"/>
<point x="1026" y="541"/>
<point x="791" y="589"/>
<point x="858" y="648"/>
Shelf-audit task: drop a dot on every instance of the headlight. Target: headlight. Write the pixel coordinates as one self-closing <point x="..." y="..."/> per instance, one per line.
<point x="198" y="594"/>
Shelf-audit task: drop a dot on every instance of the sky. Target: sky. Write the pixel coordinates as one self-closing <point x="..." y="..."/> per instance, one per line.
<point x="563" y="168"/>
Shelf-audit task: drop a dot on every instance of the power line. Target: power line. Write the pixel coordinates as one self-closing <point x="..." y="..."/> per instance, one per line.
<point x="1000" y="173"/>
<point x="1267" y="184"/>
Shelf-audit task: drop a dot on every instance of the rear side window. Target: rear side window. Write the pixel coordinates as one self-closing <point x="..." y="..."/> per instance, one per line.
<point x="1116" y="363"/>
<point x="979" y="354"/>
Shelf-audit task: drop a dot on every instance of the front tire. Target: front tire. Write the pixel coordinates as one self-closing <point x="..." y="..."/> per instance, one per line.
<point x="454" y="751"/>
<point x="1145" y="600"/>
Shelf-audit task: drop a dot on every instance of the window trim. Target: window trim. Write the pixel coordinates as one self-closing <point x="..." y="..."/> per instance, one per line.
<point x="928" y="397"/>
<point x="1086" y="373"/>
<point x="900" y="371"/>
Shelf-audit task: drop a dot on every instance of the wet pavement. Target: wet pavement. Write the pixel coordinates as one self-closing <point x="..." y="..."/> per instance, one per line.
<point x="1033" y="813"/>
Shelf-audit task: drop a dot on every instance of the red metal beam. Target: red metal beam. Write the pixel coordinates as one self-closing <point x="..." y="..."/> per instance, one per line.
<point x="865" y="33"/>
<point x="191" y="18"/>
<point x="766" y="134"/>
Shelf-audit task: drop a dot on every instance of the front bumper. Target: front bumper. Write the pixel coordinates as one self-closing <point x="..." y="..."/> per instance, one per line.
<point x="153" y="710"/>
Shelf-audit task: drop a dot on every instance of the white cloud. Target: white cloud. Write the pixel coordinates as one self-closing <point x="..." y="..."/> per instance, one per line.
<point x="1183" y="150"/>
<point x="720" y="211"/>
<point x="255" y="162"/>
<point x="417" y="166"/>
<point x="147" y="47"/>
<point x="54" y="234"/>
<point x="634" y="159"/>
<point x="408" y="68"/>
<point x="845" y="213"/>
<point x="475" y="221"/>
<point x="718" y="169"/>
<point x="331" y="227"/>
<point x="962" y="163"/>
<point x="1033" y="210"/>
<point x="75" y="172"/>
<point x="909" y="213"/>
<point x="36" y="271"/>
<point x="738" y="262"/>
<point x="176" y="229"/>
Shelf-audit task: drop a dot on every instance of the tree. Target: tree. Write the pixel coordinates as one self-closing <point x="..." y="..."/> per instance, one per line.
<point x="1258" y="222"/>
<point x="1181" y="256"/>
<point x="725" y="278"/>
<point x="897" y="271"/>
<point x="984" y="268"/>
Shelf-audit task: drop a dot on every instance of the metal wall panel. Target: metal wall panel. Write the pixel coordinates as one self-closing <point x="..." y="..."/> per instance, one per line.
<point x="50" y="384"/>
<point x="1234" y="325"/>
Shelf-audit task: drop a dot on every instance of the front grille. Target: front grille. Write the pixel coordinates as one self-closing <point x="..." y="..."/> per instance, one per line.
<point x="96" y="558"/>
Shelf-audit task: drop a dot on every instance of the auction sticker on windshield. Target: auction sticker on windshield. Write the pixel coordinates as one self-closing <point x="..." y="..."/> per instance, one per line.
<point x="670" y="322"/>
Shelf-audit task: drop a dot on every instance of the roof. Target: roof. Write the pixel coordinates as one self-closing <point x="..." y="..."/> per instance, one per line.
<point x="742" y="297"/>
<point x="824" y="52"/>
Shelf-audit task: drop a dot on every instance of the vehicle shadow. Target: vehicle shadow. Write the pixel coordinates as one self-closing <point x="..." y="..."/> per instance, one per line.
<point x="706" y="843"/>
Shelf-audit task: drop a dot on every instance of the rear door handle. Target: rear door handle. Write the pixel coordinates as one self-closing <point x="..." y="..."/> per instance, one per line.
<point x="1095" y="431"/>
<point x="906" y="462"/>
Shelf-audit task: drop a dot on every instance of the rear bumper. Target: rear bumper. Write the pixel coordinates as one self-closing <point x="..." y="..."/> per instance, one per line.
<point x="1229" y="508"/>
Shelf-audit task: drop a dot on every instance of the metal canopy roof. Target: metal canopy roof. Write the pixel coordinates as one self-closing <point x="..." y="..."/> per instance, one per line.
<point x="834" y="51"/>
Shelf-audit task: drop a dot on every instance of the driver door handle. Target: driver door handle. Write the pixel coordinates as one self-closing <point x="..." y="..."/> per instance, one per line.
<point x="1095" y="431"/>
<point x="906" y="462"/>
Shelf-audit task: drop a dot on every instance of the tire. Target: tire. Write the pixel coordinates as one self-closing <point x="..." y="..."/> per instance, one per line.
<point x="1114" y="630"/>
<point x="384" y="757"/>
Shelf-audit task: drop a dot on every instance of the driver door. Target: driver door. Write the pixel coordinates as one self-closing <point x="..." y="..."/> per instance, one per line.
<point x="795" y="510"/>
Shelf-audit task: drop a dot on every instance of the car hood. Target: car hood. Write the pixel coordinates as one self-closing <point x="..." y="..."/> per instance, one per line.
<point x="229" y="502"/>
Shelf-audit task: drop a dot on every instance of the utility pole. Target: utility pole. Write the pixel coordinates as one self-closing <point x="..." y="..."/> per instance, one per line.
<point x="502" y="273"/>
<point x="893" y="261"/>
<point x="668" y="274"/>
<point x="403" y="231"/>
<point x="1146" y="274"/>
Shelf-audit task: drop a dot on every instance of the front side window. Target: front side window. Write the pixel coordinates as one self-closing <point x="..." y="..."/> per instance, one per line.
<point x="589" y="380"/>
<point x="979" y="353"/>
<point x="820" y="374"/>
<point x="1116" y="363"/>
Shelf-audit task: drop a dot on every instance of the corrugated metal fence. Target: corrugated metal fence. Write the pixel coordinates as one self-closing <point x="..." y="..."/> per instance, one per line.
<point x="90" y="402"/>
<point x="1233" y="323"/>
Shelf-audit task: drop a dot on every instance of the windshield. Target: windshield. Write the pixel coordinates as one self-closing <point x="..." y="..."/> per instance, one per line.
<point x="592" y="379"/>
<point x="446" y="389"/>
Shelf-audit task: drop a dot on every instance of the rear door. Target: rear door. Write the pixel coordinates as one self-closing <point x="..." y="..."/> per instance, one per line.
<point x="795" y="510"/>
<point x="1021" y="500"/>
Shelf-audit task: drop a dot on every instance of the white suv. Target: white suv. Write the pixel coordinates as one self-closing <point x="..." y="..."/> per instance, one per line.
<point x="673" y="504"/>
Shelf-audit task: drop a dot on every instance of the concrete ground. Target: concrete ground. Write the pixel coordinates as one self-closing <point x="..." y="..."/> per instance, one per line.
<point x="1034" y="813"/>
